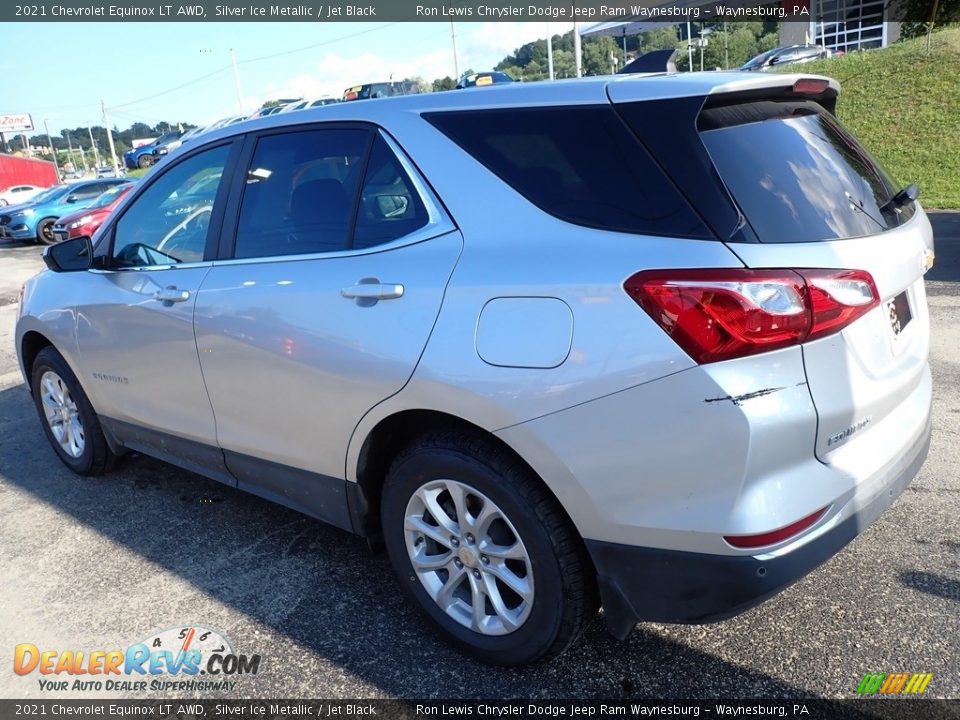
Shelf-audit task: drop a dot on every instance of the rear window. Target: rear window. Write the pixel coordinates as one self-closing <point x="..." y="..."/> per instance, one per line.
<point x="797" y="174"/>
<point x="579" y="164"/>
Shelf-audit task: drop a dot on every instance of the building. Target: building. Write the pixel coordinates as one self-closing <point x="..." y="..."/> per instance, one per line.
<point x="845" y="25"/>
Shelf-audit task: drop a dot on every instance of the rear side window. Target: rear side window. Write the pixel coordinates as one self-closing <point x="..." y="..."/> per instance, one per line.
<point x="797" y="174"/>
<point x="389" y="205"/>
<point x="579" y="164"/>
<point x="299" y="193"/>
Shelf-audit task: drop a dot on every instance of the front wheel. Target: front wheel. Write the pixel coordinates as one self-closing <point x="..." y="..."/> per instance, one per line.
<point x="45" y="232"/>
<point x="144" y="161"/>
<point x="68" y="418"/>
<point x="485" y="550"/>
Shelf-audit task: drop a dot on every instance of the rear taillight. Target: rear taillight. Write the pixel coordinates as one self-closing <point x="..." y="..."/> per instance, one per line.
<point x="775" y="536"/>
<point x="719" y="314"/>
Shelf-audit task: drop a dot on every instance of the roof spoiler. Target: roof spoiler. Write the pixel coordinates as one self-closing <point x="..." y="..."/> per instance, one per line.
<point x="655" y="61"/>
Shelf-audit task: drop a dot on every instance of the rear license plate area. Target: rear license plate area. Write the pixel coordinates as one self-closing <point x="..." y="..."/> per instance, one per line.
<point x="898" y="312"/>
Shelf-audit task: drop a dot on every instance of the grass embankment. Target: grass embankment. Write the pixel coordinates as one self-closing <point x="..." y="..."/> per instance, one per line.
<point x="903" y="103"/>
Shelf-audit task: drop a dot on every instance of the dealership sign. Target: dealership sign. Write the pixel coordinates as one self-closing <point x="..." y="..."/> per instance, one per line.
<point x="15" y="123"/>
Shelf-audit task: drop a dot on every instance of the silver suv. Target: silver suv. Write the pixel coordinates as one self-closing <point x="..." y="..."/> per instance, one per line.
<point x="652" y="343"/>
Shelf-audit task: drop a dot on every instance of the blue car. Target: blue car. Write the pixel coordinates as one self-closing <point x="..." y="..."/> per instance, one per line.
<point x="34" y="221"/>
<point x="143" y="156"/>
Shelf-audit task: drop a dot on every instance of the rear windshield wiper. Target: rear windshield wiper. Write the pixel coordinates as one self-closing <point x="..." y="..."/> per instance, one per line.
<point x="906" y="196"/>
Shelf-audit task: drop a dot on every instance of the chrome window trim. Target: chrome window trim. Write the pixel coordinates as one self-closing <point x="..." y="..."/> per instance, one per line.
<point x="418" y="236"/>
<point x="153" y="268"/>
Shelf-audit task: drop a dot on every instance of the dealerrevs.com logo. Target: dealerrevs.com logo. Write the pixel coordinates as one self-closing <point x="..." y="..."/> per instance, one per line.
<point x="902" y="683"/>
<point x="188" y="658"/>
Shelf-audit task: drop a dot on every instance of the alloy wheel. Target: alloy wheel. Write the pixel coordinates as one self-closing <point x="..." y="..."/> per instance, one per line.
<point x="469" y="557"/>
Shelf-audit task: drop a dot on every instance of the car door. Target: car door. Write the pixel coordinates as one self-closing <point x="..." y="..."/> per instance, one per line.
<point x="321" y="309"/>
<point x="135" y="322"/>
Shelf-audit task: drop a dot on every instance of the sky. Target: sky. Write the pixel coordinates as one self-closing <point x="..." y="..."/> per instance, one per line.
<point x="152" y="72"/>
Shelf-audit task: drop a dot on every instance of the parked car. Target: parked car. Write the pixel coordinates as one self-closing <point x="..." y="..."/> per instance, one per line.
<point x="380" y="89"/>
<point x="108" y="171"/>
<point x="87" y="221"/>
<point x="308" y="103"/>
<point x="547" y="369"/>
<point x="19" y="194"/>
<point x="34" y="221"/>
<point x="161" y="149"/>
<point x="143" y="157"/>
<point x="483" y="79"/>
<point x="789" y="55"/>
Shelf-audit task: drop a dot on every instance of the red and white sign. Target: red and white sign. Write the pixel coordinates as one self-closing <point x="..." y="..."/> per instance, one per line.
<point x="15" y="123"/>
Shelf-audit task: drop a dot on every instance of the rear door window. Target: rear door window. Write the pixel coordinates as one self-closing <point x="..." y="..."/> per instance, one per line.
<point x="300" y="193"/>
<point x="579" y="164"/>
<point x="797" y="174"/>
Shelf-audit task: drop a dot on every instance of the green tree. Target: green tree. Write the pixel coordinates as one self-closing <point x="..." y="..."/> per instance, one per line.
<point x="444" y="83"/>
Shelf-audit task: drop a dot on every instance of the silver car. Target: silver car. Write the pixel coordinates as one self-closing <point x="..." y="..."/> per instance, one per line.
<point x="652" y="343"/>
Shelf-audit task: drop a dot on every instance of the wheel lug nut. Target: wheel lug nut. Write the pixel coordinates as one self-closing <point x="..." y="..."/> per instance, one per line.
<point x="457" y="563"/>
<point x="484" y="559"/>
<point x="470" y="538"/>
<point x="455" y="542"/>
<point x="476" y="574"/>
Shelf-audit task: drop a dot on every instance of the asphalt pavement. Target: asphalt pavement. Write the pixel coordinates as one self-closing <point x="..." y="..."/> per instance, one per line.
<point x="101" y="563"/>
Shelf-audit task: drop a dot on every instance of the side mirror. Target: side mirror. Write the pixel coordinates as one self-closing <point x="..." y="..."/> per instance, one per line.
<point x="70" y="255"/>
<point x="73" y="198"/>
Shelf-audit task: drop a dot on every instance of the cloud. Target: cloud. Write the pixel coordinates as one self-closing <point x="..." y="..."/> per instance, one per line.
<point x="335" y="72"/>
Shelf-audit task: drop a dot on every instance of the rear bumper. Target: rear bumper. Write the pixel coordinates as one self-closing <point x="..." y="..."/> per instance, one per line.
<point x="649" y="584"/>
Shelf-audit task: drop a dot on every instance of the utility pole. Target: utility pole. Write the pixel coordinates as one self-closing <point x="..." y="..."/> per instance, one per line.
<point x="236" y="79"/>
<point x="549" y="51"/>
<point x="689" y="48"/>
<point x="726" y="47"/>
<point x="456" y="59"/>
<point x="577" y="50"/>
<point x="93" y="145"/>
<point x="113" y="149"/>
<point x="53" y="152"/>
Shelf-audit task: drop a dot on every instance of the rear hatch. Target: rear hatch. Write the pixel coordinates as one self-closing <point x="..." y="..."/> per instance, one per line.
<point x="785" y="185"/>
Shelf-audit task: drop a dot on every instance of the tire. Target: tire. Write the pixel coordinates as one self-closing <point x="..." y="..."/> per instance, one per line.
<point x="144" y="161"/>
<point x="45" y="234"/>
<point x="56" y="391"/>
<point x="548" y="562"/>
<point x="3" y="203"/>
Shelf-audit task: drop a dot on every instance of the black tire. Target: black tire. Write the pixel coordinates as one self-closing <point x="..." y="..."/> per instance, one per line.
<point x="144" y="161"/>
<point x="566" y="598"/>
<point x="96" y="457"/>
<point x="45" y="234"/>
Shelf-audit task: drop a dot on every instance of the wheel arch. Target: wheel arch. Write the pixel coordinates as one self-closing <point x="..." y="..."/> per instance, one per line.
<point x="31" y="344"/>
<point x="388" y="437"/>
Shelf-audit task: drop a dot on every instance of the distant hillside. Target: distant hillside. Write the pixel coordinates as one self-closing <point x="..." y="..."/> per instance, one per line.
<point x="903" y="102"/>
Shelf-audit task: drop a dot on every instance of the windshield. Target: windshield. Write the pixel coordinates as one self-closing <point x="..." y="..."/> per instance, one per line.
<point x="797" y="174"/>
<point x="50" y="194"/>
<point x="760" y="59"/>
<point x="109" y="196"/>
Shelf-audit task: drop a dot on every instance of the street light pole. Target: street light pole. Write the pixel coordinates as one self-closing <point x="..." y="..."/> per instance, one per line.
<point x="549" y="51"/>
<point x="93" y="145"/>
<point x="113" y="149"/>
<point x="236" y="80"/>
<point x="456" y="58"/>
<point x="53" y="152"/>
<point x="577" y="50"/>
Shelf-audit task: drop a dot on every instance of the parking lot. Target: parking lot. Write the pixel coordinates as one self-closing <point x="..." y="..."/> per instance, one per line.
<point x="102" y="563"/>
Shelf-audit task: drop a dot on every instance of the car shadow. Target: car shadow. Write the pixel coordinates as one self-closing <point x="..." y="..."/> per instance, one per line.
<point x="319" y="586"/>
<point x="932" y="584"/>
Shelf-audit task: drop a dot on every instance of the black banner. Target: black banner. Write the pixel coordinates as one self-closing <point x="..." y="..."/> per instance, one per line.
<point x="881" y="709"/>
<point x="586" y="11"/>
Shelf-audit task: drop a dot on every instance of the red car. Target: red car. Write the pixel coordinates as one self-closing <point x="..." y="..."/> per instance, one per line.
<point x="86" y="221"/>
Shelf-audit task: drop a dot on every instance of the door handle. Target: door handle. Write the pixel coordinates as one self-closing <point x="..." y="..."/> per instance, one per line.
<point x="373" y="291"/>
<point x="170" y="295"/>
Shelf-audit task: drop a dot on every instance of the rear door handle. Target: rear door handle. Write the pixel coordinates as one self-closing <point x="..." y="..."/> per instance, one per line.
<point x="373" y="291"/>
<point x="170" y="295"/>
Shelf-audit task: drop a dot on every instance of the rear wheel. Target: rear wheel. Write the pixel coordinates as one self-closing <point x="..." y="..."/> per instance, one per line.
<point x="68" y="418"/>
<point x="45" y="231"/>
<point x="485" y="551"/>
<point x="144" y="161"/>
